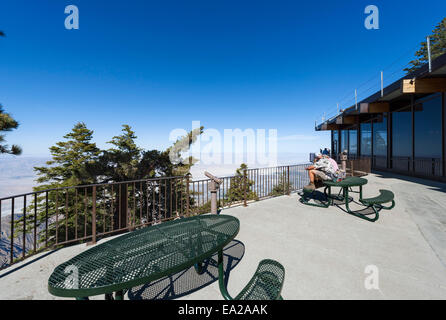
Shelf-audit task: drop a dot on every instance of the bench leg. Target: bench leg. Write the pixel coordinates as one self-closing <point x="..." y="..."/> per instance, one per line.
<point x="389" y="207"/>
<point x="360" y="215"/>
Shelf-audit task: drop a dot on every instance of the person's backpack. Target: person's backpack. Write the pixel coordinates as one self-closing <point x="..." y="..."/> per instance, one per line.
<point x="340" y="175"/>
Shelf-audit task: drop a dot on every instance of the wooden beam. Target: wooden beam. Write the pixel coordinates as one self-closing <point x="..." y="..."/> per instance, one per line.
<point x="431" y="85"/>
<point x="375" y="107"/>
<point x="329" y="127"/>
<point x="346" y="120"/>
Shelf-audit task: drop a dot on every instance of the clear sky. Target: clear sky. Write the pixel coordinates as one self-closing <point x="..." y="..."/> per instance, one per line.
<point x="159" y="65"/>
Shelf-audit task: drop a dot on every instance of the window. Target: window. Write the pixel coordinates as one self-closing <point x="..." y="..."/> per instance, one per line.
<point x="353" y="139"/>
<point x="380" y="136"/>
<point x="428" y="128"/>
<point x="335" y="142"/>
<point x="402" y="133"/>
<point x="344" y="140"/>
<point x="366" y="139"/>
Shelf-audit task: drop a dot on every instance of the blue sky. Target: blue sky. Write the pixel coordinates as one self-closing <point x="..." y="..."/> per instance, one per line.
<point x="159" y="65"/>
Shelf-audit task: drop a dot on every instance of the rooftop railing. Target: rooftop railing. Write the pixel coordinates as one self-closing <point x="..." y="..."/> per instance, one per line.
<point x="41" y="220"/>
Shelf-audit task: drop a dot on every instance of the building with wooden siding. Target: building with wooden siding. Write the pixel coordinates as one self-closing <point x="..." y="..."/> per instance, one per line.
<point x="401" y="128"/>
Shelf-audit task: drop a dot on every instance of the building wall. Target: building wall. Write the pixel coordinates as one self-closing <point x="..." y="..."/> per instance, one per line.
<point x="410" y="140"/>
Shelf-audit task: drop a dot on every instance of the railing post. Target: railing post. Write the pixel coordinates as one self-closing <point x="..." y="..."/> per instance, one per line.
<point x="93" y="217"/>
<point x="24" y="228"/>
<point x="11" y="253"/>
<point x="245" y="185"/>
<point x="288" y="180"/>
<point x="187" y="193"/>
<point x="433" y="166"/>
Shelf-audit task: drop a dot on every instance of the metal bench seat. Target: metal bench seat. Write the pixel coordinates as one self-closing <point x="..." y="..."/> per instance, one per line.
<point x="265" y="284"/>
<point x="376" y="203"/>
<point x="385" y="196"/>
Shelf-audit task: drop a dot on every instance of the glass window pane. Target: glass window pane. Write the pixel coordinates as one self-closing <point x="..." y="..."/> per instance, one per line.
<point x="344" y="140"/>
<point x="353" y="147"/>
<point x="366" y="139"/>
<point x="402" y="133"/>
<point x="380" y="137"/>
<point x="428" y="128"/>
<point x="335" y="142"/>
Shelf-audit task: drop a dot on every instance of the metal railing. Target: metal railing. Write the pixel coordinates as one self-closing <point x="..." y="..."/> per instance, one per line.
<point x="36" y="221"/>
<point x="425" y="167"/>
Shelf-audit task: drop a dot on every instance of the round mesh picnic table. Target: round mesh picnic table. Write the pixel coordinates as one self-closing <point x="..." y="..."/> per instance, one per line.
<point x="347" y="182"/>
<point x="143" y="255"/>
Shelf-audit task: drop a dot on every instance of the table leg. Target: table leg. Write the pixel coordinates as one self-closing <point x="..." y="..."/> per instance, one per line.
<point x="357" y="214"/>
<point x="109" y="296"/>
<point x="119" y="295"/>
<point x="221" y="279"/>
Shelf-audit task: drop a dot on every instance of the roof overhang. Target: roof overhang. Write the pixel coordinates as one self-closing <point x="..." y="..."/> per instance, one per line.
<point x="420" y="82"/>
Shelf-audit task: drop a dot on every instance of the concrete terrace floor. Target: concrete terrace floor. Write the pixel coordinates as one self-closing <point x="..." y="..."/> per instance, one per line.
<point x="324" y="251"/>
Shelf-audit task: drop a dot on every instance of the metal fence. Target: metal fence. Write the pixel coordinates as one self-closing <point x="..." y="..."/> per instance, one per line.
<point x="423" y="167"/>
<point x="39" y="220"/>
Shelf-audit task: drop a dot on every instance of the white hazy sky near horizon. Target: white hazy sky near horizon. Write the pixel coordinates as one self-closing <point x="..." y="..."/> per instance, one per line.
<point x="17" y="175"/>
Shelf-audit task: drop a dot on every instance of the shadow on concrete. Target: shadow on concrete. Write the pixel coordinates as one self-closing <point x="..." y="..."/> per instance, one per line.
<point x="431" y="184"/>
<point x="32" y="260"/>
<point x="189" y="281"/>
<point x="364" y="210"/>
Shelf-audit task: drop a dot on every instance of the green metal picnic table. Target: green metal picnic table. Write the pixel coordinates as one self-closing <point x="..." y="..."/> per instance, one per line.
<point x="144" y="255"/>
<point x="346" y="185"/>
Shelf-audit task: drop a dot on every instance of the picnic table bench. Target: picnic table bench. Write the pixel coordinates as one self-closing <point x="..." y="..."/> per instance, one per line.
<point x="346" y="185"/>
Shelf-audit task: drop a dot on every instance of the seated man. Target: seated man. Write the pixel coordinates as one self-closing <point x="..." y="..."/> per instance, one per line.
<point x="323" y="169"/>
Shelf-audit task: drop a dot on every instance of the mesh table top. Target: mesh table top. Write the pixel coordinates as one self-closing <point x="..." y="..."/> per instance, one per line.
<point x="347" y="182"/>
<point x="142" y="256"/>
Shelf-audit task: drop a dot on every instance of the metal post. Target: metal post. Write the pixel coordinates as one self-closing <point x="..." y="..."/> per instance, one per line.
<point x="12" y="231"/>
<point x="288" y="180"/>
<point x="93" y="217"/>
<point x="429" y="53"/>
<point x="245" y="184"/>
<point x="187" y="193"/>
<point x="213" y="197"/>
<point x="215" y="184"/>
<point x="382" y="84"/>
<point x="356" y="99"/>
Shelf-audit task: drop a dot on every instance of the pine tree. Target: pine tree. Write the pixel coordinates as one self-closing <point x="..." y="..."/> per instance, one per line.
<point x="240" y="185"/>
<point x="72" y="161"/>
<point x="176" y="153"/>
<point x="120" y="163"/>
<point x="438" y="47"/>
<point x="282" y="187"/>
<point x="125" y="161"/>
<point x="72" y="164"/>
<point x="7" y="123"/>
